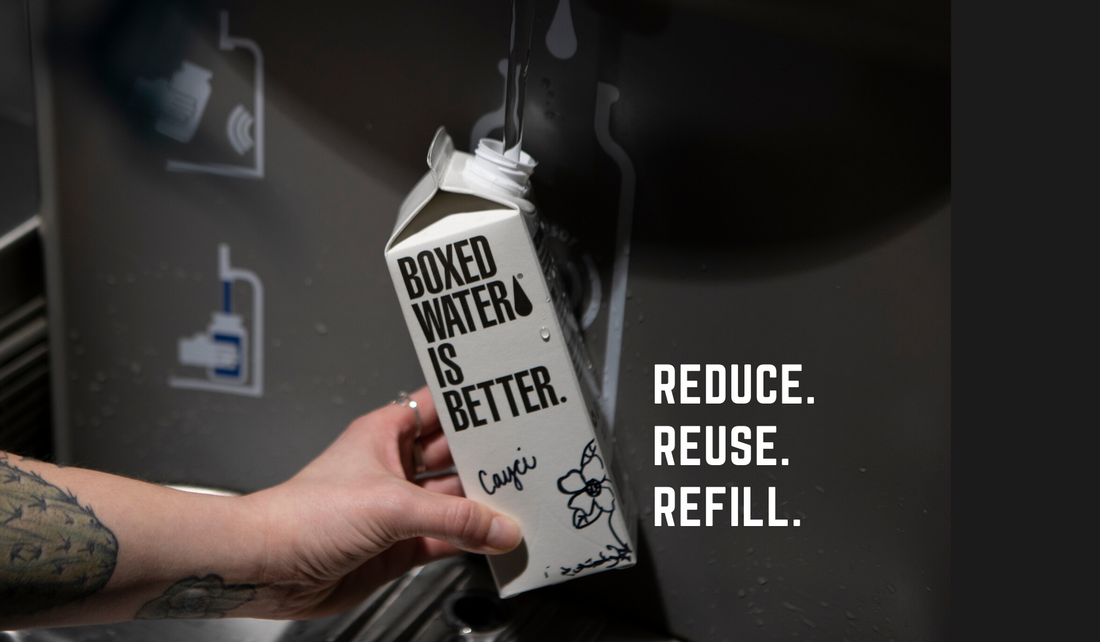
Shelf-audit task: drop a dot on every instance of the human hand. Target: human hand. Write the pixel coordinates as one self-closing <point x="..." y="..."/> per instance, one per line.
<point x="354" y="518"/>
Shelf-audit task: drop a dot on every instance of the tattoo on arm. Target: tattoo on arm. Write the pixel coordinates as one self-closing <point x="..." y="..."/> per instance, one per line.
<point x="53" y="551"/>
<point x="197" y="598"/>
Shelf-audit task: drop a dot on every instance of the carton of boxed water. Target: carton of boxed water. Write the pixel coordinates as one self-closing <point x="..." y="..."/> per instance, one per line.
<point x="506" y="366"/>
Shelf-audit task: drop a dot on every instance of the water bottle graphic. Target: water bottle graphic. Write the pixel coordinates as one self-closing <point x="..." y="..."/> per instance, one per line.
<point x="225" y="348"/>
<point x="178" y="103"/>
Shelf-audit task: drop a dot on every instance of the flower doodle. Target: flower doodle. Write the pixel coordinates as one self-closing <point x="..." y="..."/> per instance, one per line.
<point x="591" y="494"/>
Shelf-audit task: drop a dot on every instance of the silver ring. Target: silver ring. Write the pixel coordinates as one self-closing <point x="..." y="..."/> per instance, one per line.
<point x="404" y="399"/>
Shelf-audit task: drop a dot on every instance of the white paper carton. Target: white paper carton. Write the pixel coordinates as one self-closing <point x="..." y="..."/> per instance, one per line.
<point x="507" y="370"/>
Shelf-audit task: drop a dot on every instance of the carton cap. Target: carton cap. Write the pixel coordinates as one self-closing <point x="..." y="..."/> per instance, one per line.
<point x="491" y="166"/>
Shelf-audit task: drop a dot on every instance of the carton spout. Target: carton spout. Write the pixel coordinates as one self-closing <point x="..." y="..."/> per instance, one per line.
<point x="490" y="164"/>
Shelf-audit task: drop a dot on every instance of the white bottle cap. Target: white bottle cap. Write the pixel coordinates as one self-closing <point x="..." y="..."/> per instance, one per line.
<point x="491" y="166"/>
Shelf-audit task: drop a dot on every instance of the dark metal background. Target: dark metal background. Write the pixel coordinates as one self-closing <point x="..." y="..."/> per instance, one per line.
<point x="792" y="206"/>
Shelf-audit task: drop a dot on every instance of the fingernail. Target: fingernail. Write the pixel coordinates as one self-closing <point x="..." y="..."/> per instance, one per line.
<point x="504" y="534"/>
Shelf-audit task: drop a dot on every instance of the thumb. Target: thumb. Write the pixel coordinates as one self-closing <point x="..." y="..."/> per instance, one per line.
<point x="461" y="522"/>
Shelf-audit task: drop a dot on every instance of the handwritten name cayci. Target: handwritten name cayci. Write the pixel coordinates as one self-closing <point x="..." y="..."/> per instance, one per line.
<point x="672" y="446"/>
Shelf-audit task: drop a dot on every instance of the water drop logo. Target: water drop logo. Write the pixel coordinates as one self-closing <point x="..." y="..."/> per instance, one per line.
<point x="561" y="39"/>
<point x="237" y="130"/>
<point x="523" y="304"/>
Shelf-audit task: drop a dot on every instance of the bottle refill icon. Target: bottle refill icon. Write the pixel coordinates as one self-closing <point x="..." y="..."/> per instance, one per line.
<point x="223" y="349"/>
<point x="179" y="103"/>
<point x="502" y="353"/>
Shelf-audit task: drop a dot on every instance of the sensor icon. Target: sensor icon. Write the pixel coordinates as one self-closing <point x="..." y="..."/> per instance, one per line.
<point x="223" y="348"/>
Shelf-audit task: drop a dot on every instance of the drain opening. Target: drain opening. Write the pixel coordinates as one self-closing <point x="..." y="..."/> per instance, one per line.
<point x="475" y="611"/>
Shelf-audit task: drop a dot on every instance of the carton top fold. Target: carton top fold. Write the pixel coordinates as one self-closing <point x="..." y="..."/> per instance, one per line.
<point x="446" y="173"/>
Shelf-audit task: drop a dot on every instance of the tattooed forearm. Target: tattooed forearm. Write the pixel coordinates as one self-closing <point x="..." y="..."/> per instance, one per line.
<point x="197" y="598"/>
<point x="53" y="551"/>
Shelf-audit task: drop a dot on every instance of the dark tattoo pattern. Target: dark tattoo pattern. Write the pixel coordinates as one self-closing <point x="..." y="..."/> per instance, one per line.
<point x="53" y="551"/>
<point x="197" y="598"/>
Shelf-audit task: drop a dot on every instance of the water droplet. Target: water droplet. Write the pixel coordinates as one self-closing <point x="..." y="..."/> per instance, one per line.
<point x="338" y="400"/>
<point x="850" y="615"/>
<point x="520" y="275"/>
<point x="862" y="469"/>
<point x="544" y="333"/>
<point x="742" y="593"/>
<point x="891" y="587"/>
<point x="110" y="280"/>
<point x="135" y="367"/>
<point x="108" y="411"/>
<point x="761" y="580"/>
<point x="321" y="329"/>
<point x="819" y="489"/>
